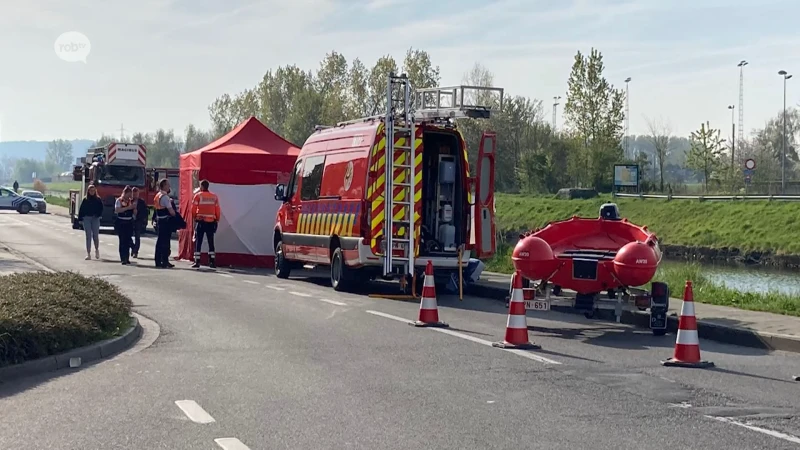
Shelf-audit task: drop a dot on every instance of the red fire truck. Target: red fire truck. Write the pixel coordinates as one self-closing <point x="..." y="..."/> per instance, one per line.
<point x="110" y="168"/>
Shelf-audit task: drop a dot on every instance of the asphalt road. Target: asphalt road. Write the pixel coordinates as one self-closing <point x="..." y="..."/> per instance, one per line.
<point x="243" y="360"/>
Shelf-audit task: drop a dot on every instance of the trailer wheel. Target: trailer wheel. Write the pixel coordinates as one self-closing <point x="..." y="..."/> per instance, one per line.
<point x="282" y="266"/>
<point x="340" y="273"/>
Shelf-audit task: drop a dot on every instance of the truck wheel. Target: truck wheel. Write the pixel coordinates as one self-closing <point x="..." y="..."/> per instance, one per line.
<point x="282" y="266"/>
<point x="24" y="208"/>
<point x="340" y="273"/>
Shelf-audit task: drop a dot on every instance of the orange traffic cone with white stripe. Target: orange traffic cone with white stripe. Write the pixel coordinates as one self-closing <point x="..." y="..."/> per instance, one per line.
<point x="687" y="343"/>
<point x="428" y="310"/>
<point x="517" y="325"/>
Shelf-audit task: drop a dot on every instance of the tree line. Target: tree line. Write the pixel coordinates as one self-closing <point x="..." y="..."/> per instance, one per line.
<point x="539" y="159"/>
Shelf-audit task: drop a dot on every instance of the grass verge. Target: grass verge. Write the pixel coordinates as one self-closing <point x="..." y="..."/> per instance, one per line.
<point x="705" y="291"/>
<point x="58" y="201"/>
<point x="43" y="314"/>
<point x="748" y="226"/>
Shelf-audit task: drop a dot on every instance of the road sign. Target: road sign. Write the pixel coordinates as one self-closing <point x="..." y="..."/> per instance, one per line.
<point x="748" y="172"/>
<point x="747" y="179"/>
<point x="750" y="164"/>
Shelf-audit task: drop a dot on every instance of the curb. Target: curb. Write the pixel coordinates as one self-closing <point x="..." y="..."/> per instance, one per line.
<point x="711" y="331"/>
<point x="93" y="352"/>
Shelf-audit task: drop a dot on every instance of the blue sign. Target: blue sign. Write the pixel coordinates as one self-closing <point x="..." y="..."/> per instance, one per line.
<point x="748" y="173"/>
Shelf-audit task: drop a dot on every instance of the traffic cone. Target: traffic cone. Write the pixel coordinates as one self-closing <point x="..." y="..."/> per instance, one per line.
<point x="687" y="343"/>
<point x="428" y="310"/>
<point x="517" y="325"/>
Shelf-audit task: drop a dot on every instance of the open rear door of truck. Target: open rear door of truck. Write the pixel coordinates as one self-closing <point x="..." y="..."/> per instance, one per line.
<point x="484" y="197"/>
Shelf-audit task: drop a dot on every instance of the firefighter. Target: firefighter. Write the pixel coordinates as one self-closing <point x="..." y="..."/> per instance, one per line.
<point x="206" y="214"/>
<point x="163" y="215"/>
<point x="125" y="208"/>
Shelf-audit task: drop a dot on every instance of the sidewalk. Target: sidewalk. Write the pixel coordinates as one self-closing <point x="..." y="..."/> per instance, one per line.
<point x="719" y="323"/>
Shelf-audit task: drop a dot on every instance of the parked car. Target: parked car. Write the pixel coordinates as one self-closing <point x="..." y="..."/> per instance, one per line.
<point x="13" y="201"/>
<point x="40" y="200"/>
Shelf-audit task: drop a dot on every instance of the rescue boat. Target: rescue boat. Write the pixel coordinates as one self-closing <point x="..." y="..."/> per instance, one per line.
<point x="588" y="255"/>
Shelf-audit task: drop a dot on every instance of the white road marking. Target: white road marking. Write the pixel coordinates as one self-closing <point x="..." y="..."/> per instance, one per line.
<point x="249" y="282"/>
<point x="231" y="444"/>
<point x="523" y="353"/>
<point x="194" y="411"/>
<point x="276" y="288"/>
<point x="332" y="302"/>
<point x="299" y="294"/>
<point x="775" y="434"/>
<point x="225" y="275"/>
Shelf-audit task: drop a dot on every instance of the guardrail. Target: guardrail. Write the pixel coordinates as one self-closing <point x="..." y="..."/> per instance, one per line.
<point x="709" y="198"/>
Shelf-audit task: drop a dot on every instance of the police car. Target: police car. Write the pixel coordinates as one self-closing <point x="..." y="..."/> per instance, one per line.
<point x="10" y="200"/>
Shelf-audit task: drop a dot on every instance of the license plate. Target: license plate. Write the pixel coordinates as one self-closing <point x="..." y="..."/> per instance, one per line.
<point x="537" y="305"/>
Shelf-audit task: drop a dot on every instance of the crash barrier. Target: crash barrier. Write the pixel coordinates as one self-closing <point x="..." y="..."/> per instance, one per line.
<point x="703" y="198"/>
<point x="517" y="324"/>
<point x="687" y="343"/>
<point x="428" y="309"/>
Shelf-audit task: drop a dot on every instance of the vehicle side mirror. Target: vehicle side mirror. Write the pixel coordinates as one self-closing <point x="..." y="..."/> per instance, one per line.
<point x="280" y="193"/>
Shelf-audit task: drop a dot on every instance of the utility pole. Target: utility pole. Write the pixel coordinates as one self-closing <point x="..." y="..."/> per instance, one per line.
<point x="555" y="105"/>
<point x="627" y="117"/>
<point x="741" y="65"/>
<point x="785" y="76"/>
<point x="733" y="136"/>
<point x="121" y="133"/>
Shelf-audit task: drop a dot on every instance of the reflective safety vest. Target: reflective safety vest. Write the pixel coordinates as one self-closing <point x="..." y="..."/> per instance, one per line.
<point x="161" y="213"/>
<point x="205" y="207"/>
<point x="125" y="215"/>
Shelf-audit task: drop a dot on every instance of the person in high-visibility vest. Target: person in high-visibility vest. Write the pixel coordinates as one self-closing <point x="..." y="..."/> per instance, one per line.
<point x="206" y="215"/>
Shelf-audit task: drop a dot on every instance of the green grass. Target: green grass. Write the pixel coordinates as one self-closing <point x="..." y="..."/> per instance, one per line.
<point x="43" y="314"/>
<point x="676" y="274"/>
<point x="58" y="201"/>
<point x="57" y="186"/>
<point x="748" y="226"/>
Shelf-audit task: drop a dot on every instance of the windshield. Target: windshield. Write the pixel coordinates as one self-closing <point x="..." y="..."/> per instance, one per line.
<point x="120" y="175"/>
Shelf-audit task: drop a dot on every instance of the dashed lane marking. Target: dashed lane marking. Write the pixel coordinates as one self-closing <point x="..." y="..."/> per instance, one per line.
<point x="523" y="353"/>
<point x="194" y="412"/>
<point x="276" y="288"/>
<point x="225" y="275"/>
<point x="332" y="302"/>
<point x="249" y="282"/>
<point x="299" y="294"/>
<point x="775" y="434"/>
<point x="231" y="444"/>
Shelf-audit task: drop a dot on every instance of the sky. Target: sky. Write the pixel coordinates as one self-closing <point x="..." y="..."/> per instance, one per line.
<point x="160" y="63"/>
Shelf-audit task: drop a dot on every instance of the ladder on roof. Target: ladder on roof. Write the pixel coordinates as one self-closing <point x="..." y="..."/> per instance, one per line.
<point x="399" y="231"/>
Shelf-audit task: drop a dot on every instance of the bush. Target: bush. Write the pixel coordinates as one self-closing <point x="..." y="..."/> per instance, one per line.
<point x="38" y="185"/>
<point x="44" y="314"/>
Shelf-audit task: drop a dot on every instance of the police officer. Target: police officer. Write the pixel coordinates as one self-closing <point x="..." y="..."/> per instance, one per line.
<point x="163" y="215"/>
<point x="125" y="208"/>
<point x="206" y="214"/>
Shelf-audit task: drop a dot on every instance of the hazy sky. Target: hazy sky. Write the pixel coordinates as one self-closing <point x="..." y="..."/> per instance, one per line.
<point x="160" y="63"/>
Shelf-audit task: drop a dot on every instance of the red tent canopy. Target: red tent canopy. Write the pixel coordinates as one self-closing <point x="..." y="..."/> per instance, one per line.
<point x="243" y="168"/>
<point x="249" y="154"/>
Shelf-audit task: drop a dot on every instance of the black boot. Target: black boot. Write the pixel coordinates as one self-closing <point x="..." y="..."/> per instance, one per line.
<point x="212" y="263"/>
<point x="196" y="264"/>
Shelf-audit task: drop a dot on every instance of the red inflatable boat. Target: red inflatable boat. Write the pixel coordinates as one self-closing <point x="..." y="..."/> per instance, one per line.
<point x="590" y="256"/>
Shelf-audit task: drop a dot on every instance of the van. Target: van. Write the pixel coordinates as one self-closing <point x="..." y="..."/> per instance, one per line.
<point x="333" y="205"/>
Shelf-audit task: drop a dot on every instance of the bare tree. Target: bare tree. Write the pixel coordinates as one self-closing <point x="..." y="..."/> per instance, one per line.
<point x="659" y="134"/>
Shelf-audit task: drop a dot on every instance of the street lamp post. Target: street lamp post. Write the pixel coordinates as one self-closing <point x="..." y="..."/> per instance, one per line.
<point x="627" y="116"/>
<point x="555" y="105"/>
<point x="785" y="76"/>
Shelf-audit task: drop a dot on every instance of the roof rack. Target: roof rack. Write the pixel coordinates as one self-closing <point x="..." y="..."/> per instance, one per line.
<point x="460" y="102"/>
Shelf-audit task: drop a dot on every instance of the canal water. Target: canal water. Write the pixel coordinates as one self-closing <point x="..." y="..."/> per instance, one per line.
<point x="750" y="278"/>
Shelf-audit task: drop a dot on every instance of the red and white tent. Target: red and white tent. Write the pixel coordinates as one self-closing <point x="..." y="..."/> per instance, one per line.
<point x="243" y="167"/>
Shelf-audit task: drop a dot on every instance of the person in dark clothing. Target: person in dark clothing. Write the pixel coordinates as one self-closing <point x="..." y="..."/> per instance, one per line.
<point x="140" y="222"/>
<point x="125" y="208"/>
<point x="89" y="214"/>
<point x="165" y="211"/>
<point x="15" y="186"/>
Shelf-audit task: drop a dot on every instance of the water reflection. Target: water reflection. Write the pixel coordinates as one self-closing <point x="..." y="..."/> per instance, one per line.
<point x="751" y="279"/>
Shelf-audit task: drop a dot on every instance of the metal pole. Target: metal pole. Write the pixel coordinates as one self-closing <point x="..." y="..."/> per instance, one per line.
<point x="627" y="117"/>
<point x="783" y="155"/>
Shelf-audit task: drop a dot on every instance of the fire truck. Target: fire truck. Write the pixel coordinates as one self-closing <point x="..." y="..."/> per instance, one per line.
<point x="110" y="168"/>
<point x="341" y="210"/>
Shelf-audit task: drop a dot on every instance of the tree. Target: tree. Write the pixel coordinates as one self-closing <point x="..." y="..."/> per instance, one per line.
<point x="659" y="137"/>
<point x="195" y="139"/>
<point x="706" y="151"/>
<point x="377" y="83"/>
<point x="59" y="154"/>
<point x="25" y="168"/>
<point x="594" y="112"/>
<point x="358" y="92"/>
